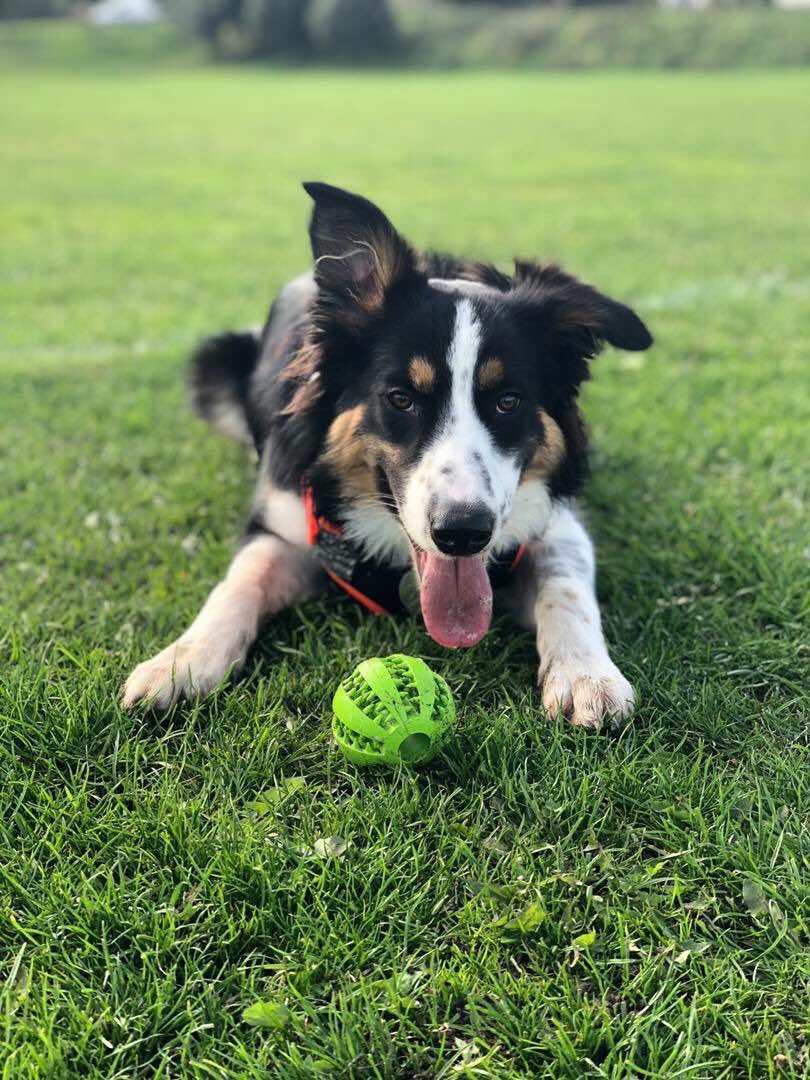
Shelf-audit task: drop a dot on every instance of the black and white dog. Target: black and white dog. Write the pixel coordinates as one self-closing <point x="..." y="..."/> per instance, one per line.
<point x="413" y="413"/>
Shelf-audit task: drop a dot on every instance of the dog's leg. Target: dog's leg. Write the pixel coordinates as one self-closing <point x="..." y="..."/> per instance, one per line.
<point x="576" y="675"/>
<point x="266" y="575"/>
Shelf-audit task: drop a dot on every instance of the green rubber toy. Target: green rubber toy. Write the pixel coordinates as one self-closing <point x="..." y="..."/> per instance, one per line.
<point x="392" y="710"/>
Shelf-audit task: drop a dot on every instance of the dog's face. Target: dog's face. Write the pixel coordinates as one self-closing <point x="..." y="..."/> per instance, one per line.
<point x="455" y="419"/>
<point x="452" y="404"/>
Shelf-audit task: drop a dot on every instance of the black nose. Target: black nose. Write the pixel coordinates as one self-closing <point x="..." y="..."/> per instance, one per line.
<point x="463" y="532"/>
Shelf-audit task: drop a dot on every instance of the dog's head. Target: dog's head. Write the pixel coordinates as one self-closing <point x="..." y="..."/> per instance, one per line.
<point x="452" y="401"/>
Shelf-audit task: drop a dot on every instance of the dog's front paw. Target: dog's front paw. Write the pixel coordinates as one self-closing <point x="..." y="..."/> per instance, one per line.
<point x="588" y="692"/>
<point x="188" y="668"/>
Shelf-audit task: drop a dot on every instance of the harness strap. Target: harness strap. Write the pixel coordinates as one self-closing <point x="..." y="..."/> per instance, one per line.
<point x="355" y="594"/>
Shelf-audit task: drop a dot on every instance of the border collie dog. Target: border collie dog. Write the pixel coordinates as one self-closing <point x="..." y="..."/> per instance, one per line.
<point x="416" y="420"/>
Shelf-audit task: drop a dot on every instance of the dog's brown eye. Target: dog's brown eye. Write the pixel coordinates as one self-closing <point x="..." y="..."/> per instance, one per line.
<point x="401" y="400"/>
<point x="508" y="403"/>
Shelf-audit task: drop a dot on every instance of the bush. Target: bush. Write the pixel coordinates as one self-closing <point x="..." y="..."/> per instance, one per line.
<point x="353" y="29"/>
<point x="247" y="28"/>
<point x="443" y="34"/>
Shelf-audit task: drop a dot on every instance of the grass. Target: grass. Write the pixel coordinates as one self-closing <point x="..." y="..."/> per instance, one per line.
<point x="70" y="44"/>
<point x="539" y="903"/>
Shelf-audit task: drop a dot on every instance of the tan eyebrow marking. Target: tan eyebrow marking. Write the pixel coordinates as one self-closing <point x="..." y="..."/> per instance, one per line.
<point x="490" y="373"/>
<point x="422" y="374"/>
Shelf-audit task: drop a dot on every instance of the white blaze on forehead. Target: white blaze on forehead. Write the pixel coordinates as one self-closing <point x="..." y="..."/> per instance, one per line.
<point x="462" y="464"/>
<point x="464" y="287"/>
<point x="461" y="359"/>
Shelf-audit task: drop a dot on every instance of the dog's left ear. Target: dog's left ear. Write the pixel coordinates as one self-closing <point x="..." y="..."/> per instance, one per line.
<point x="570" y="322"/>
<point x="359" y="255"/>
<point x="572" y="307"/>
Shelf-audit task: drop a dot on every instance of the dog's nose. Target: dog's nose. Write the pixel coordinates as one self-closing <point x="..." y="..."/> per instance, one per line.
<point x="464" y="532"/>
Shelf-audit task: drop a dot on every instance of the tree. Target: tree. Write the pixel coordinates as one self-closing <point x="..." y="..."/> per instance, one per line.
<point x="354" y="29"/>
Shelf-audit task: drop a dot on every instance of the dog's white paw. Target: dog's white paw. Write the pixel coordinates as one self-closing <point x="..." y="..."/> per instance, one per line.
<point x="586" y="691"/>
<point x="189" y="668"/>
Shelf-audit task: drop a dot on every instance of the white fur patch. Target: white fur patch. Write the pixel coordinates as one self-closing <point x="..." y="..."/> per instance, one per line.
<point x="228" y="418"/>
<point x="462" y="466"/>
<point x="577" y="676"/>
<point x="464" y="287"/>
<point x="531" y="511"/>
<point x="282" y="512"/>
<point x="377" y="532"/>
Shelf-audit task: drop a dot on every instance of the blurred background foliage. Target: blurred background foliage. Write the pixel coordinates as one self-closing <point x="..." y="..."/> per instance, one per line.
<point x="423" y="33"/>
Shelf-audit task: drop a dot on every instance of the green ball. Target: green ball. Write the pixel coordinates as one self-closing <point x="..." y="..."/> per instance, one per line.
<point x="392" y="710"/>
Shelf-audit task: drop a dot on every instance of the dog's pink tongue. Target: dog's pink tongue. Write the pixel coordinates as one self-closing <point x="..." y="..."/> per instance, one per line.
<point x="456" y="597"/>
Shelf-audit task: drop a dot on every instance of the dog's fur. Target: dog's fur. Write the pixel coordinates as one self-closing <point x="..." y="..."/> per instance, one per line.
<point x="435" y="401"/>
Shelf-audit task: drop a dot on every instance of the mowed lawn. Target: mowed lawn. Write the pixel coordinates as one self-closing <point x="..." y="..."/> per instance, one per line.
<point x="540" y="902"/>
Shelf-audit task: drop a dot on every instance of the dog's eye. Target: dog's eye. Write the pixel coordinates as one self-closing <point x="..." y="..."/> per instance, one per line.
<point x="508" y="403"/>
<point x="401" y="400"/>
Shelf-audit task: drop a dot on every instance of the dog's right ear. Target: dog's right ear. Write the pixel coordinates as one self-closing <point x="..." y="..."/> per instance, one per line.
<point x="359" y="255"/>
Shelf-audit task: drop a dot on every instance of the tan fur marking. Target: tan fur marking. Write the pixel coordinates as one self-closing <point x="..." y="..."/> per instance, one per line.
<point x="392" y="256"/>
<point x="343" y="448"/>
<point x="422" y="374"/>
<point x="378" y="450"/>
<point x="389" y="262"/>
<point x="304" y="369"/>
<point x="551" y="450"/>
<point x="581" y="318"/>
<point x="347" y="453"/>
<point x="490" y="373"/>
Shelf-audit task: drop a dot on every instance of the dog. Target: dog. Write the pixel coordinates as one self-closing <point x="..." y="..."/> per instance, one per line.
<point x="416" y="419"/>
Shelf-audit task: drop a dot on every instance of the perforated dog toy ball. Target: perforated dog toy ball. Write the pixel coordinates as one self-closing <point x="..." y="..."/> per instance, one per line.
<point x="391" y="710"/>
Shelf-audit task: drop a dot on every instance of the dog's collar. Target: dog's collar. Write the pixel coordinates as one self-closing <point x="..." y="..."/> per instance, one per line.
<point x="378" y="587"/>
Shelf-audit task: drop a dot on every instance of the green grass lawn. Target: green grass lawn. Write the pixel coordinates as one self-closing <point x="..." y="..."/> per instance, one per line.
<point x="661" y="875"/>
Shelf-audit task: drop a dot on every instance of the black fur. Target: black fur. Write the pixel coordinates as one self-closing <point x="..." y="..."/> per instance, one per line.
<point x="219" y="375"/>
